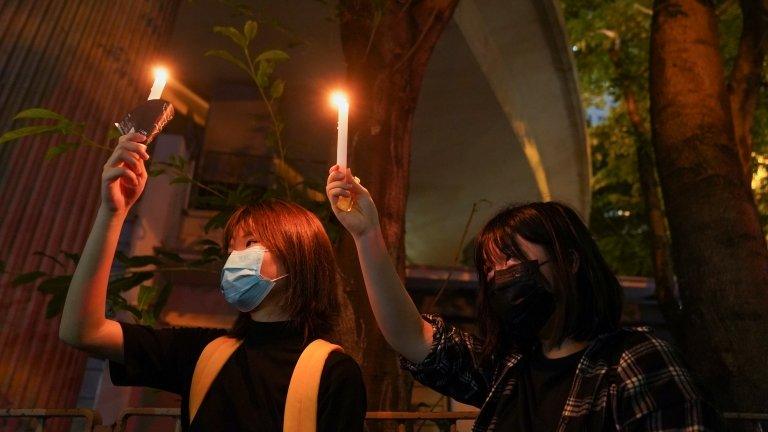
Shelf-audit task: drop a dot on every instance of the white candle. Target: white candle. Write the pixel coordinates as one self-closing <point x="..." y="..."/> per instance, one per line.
<point x="161" y="77"/>
<point x="341" y="102"/>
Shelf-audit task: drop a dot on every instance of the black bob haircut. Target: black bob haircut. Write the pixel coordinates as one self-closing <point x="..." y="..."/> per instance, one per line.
<point x="589" y="296"/>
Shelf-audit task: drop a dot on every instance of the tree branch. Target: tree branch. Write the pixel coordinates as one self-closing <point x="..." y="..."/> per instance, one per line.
<point x="661" y="255"/>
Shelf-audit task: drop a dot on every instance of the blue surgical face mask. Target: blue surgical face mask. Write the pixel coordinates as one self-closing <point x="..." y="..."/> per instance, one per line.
<point x="242" y="284"/>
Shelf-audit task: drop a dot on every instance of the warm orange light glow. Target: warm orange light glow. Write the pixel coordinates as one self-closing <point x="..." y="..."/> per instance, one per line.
<point x="339" y="99"/>
<point x="161" y="73"/>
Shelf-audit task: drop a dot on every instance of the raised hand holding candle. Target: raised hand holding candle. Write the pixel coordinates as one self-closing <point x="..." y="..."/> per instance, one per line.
<point x="341" y="102"/>
<point x="152" y="115"/>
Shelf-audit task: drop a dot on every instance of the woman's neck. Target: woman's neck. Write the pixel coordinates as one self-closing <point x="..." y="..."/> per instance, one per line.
<point x="568" y="347"/>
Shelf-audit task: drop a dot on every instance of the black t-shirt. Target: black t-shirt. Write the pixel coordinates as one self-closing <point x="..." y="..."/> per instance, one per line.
<point x="536" y="404"/>
<point x="249" y="393"/>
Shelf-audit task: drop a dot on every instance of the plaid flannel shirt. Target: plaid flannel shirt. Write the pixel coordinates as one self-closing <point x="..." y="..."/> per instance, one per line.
<point x="628" y="380"/>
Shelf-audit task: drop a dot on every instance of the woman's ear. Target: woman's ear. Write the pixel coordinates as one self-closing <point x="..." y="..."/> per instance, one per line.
<point x="574" y="261"/>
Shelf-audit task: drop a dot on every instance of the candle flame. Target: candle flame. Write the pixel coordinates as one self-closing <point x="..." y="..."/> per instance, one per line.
<point x="161" y="77"/>
<point x="161" y="73"/>
<point x="339" y="99"/>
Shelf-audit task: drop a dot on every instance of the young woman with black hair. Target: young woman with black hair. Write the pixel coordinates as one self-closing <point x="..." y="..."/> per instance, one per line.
<point x="281" y="276"/>
<point x="551" y="354"/>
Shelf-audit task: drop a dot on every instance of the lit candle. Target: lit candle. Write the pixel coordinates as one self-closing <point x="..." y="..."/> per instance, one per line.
<point x="161" y="77"/>
<point x="339" y="99"/>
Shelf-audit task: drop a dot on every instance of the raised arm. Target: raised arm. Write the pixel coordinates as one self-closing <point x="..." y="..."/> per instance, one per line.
<point x="83" y="321"/>
<point x="396" y="314"/>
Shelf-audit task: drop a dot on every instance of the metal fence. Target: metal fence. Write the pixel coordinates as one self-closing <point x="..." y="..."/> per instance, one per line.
<point x="35" y="419"/>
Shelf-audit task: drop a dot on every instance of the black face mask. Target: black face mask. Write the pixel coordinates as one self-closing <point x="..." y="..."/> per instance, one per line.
<point x="522" y="300"/>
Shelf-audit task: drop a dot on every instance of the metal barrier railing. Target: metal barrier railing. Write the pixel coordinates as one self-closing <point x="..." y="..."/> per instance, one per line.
<point x="444" y="420"/>
<point x="122" y="419"/>
<point x="757" y="422"/>
<point x="39" y="416"/>
<point x="402" y="419"/>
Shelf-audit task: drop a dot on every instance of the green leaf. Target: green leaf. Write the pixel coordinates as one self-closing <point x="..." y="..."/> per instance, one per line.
<point x="207" y="242"/>
<point x="60" y="149"/>
<point x="262" y="75"/>
<point x="27" y="131"/>
<point x="250" y="29"/>
<point x="50" y="257"/>
<point x="26" y="278"/>
<point x="161" y="300"/>
<point x="218" y="220"/>
<point x="211" y="252"/>
<point x="55" y="284"/>
<point x="146" y="297"/>
<point x="132" y="309"/>
<point x="113" y="133"/>
<point x="138" y="260"/>
<point x="231" y="33"/>
<point x="198" y="263"/>
<point x="39" y="113"/>
<point x="226" y="55"/>
<point x="117" y="302"/>
<point x="74" y="257"/>
<point x="127" y="282"/>
<point x="173" y="256"/>
<point x="55" y="304"/>
<point x="277" y="88"/>
<point x="272" y="55"/>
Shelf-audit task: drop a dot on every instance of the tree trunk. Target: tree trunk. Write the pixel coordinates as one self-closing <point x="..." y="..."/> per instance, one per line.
<point x="387" y="48"/>
<point x="718" y="247"/>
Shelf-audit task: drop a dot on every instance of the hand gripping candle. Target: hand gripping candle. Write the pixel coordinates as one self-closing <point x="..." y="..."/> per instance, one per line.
<point x="149" y="118"/>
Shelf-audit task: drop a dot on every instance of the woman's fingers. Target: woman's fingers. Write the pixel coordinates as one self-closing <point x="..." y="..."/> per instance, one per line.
<point x="132" y="154"/>
<point x="133" y="142"/>
<point x="335" y="175"/>
<point x="343" y="183"/>
<point x="337" y="192"/>
<point x="113" y="173"/>
<point x="337" y="189"/>
<point x="133" y="136"/>
<point x="137" y="148"/>
<point x="131" y="161"/>
<point x="354" y="183"/>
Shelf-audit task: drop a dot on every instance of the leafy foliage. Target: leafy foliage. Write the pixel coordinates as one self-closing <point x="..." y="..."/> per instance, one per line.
<point x="610" y="40"/>
<point x="260" y="69"/>
<point x="60" y="125"/>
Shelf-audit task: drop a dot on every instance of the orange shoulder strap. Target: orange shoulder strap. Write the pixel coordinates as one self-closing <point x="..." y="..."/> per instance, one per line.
<point x="208" y="366"/>
<point x="301" y="402"/>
